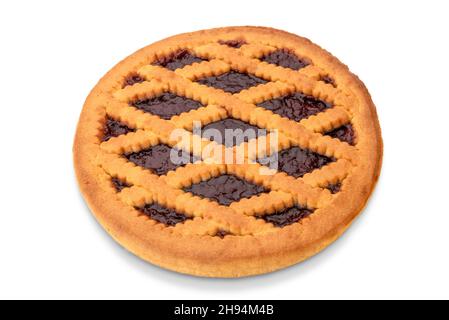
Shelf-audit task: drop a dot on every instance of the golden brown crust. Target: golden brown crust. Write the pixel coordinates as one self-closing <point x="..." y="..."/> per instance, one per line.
<point x="257" y="247"/>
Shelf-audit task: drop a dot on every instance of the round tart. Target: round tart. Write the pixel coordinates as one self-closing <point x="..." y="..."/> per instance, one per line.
<point x="222" y="218"/>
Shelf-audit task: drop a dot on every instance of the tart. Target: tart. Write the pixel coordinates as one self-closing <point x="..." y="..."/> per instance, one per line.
<point x="201" y="214"/>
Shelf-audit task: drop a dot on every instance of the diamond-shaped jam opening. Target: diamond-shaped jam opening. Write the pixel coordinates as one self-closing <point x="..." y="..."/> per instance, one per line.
<point x="297" y="162"/>
<point x="295" y="106"/>
<point x="160" y="158"/>
<point x="344" y="133"/>
<point x="225" y="189"/>
<point x="232" y="81"/>
<point x="233" y="43"/>
<point x="167" y="105"/>
<point x="222" y="233"/>
<point x="285" y="58"/>
<point x="163" y="215"/>
<point x="288" y="216"/>
<point x="119" y="185"/>
<point x="231" y="132"/>
<point x="132" y="80"/>
<point x="334" y="187"/>
<point x="328" y="80"/>
<point x="178" y="59"/>
<point x="114" y="128"/>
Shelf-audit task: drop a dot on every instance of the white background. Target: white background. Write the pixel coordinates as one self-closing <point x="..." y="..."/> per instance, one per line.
<point x="53" y="52"/>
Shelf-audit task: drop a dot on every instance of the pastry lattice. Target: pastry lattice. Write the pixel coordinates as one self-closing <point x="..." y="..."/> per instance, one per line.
<point x="285" y="191"/>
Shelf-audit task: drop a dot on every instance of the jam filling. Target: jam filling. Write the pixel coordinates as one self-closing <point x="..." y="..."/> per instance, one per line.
<point x="229" y="125"/>
<point x="163" y="215"/>
<point x="296" y="106"/>
<point x="328" y="80"/>
<point x="119" y="184"/>
<point x="232" y="81"/>
<point x="158" y="159"/>
<point x="221" y="234"/>
<point x="344" y="133"/>
<point x="132" y="80"/>
<point x="288" y="216"/>
<point x="297" y="162"/>
<point x="233" y="43"/>
<point x="225" y="189"/>
<point x="334" y="188"/>
<point x="285" y="58"/>
<point x="167" y="105"/>
<point x="114" y="128"/>
<point x="178" y="59"/>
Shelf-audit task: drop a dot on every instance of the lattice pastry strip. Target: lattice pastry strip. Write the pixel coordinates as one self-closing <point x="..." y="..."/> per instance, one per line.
<point x="327" y="120"/>
<point x="199" y="227"/>
<point x="190" y="174"/>
<point x="330" y="174"/>
<point x="204" y="115"/>
<point x="131" y="142"/>
<point x="263" y="146"/>
<point x="144" y="90"/>
<point x="204" y="69"/>
<point x="136" y="196"/>
<point x="256" y="50"/>
<point x="265" y="92"/>
<point x="139" y="119"/>
<point x="264" y="204"/>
